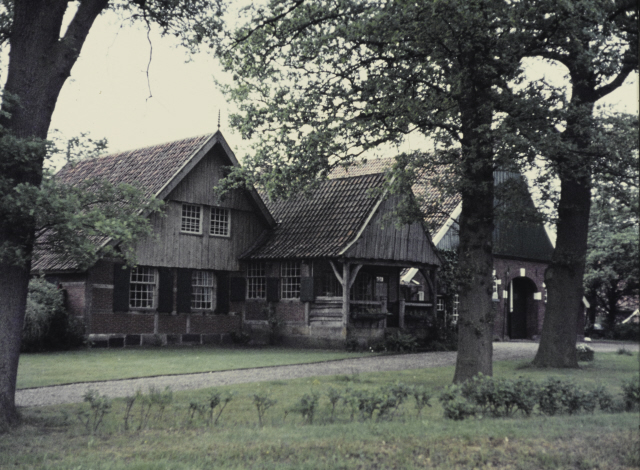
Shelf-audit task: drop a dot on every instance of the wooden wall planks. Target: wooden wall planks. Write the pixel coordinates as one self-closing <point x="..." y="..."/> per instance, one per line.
<point x="383" y="240"/>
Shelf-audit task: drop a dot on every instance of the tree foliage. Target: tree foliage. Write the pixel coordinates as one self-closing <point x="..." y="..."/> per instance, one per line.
<point x="597" y="42"/>
<point x="323" y="83"/>
<point x="613" y="266"/>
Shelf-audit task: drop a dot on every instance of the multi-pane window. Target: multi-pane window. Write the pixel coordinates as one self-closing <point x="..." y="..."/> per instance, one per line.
<point x="440" y="304"/>
<point x="219" y="222"/>
<point x="290" y="279"/>
<point x="202" y="283"/>
<point x="191" y="218"/>
<point x="142" y="288"/>
<point x="256" y="281"/>
<point x="455" y="310"/>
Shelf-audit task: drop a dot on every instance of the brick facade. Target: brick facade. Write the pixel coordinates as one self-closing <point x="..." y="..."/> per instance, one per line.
<point x="507" y="270"/>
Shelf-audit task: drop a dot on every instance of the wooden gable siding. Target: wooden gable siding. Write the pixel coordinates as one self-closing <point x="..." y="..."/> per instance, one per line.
<point x="383" y="240"/>
<point x="171" y="248"/>
<point x="197" y="186"/>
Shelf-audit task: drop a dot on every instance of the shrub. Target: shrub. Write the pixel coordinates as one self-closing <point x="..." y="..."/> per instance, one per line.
<point x="627" y="332"/>
<point x="585" y="353"/>
<point x="306" y="406"/>
<point x="500" y="397"/>
<point x="99" y="406"/>
<point x="263" y="402"/>
<point x="47" y="325"/>
<point x="422" y="397"/>
<point x="631" y="393"/>
<point x="624" y="352"/>
<point x="455" y="405"/>
<point x="401" y="342"/>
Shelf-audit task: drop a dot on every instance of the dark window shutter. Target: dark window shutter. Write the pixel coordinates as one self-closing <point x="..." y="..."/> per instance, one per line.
<point x="121" y="278"/>
<point x="222" y="293"/>
<point x="184" y="291"/>
<point x="306" y="289"/>
<point x="237" y="289"/>
<point x="273" y="289"/>
<point x="165" y="290"/>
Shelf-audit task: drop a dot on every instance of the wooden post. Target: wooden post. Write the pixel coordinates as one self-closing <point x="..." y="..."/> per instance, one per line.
<point x="346" y="268"/>
<point x="434" y="307"/>
<point x="401" y="313"/>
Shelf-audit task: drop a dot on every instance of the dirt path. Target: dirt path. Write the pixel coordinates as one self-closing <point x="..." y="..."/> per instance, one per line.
<point x="59" y="394"/>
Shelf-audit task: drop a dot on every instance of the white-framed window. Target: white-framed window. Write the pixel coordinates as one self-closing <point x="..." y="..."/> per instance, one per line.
<point x="220" y="222"/>
<point x="440" y="304"/>
<point x="143" y="287"/>
<point x="544" y="286"/>
<point x="191" y="219"/>
<point x="202" y="290"/>
<point x="290" y="280"/>
<point x="256" y="281"/>
<point x="455" y="310"/>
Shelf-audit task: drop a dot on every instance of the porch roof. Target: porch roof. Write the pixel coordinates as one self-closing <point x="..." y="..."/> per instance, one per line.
<point x="322" y="223"/>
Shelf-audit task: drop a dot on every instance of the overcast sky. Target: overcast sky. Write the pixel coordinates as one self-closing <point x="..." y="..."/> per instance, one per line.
<point x="108" y="94"/>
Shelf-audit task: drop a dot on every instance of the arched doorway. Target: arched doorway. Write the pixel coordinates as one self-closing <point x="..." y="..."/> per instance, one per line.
<point x="523" y="310"/>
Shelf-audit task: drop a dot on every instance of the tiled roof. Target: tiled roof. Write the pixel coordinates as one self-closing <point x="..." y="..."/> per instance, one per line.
<point x="321" y="223"/>
<point x="149" y="168"/>
<point x="437" y="204"/>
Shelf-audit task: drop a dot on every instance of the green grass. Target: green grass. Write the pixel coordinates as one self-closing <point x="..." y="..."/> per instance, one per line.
<point x="53" y="438"/>
<point x="89" y="365"/>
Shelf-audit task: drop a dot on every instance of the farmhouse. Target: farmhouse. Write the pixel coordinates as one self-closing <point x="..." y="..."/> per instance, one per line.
<point x="308" y="269"/>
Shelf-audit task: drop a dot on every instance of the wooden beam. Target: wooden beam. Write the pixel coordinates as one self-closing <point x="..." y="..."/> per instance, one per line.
<point x="335" y="271"/>
<point x="345" y="296"/>
<point x="354" y="274"/>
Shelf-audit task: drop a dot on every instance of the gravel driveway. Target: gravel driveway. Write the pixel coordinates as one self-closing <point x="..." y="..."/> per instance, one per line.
<point x="59" y="394"/>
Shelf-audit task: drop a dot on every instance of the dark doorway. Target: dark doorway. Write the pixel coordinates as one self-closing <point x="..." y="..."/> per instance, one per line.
<point x="523" y="307"/>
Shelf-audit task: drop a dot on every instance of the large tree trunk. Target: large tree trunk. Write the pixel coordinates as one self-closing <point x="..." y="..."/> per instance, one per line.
<point x="563" y="277"/>
<point x="13" y="293"/>
<point x="39" y="63"/>
<point x="475" y="324"/>
<point x="475" y="253"/>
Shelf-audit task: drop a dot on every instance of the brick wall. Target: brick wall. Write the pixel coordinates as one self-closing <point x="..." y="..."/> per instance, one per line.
<point x="255" y="310"/>
<point x="122" y="323"/>
<point x="214" y="324"/>
<point x="290" y="311"/>
<point x="507" y="270"/>
<point x="172" y="324"/>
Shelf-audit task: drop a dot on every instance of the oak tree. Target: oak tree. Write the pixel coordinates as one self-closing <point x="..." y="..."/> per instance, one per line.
<point x="597" y="42"/>
<point x="321" y="83"/>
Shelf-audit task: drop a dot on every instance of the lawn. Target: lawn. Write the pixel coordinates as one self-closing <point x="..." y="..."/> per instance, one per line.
<point x="182" y="438"/>
<point x="90" y="365"/>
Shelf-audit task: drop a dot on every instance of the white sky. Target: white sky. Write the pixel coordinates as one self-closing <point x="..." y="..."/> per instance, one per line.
<point x="108" y="96"/>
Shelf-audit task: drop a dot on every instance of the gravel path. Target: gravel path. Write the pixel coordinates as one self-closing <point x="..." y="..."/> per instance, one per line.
<point x="59" y="394"/>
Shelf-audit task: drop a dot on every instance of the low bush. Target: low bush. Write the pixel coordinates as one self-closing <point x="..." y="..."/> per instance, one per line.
<point x="631" y="393"/>
<point x="47" y="325"/>
<point x="485" y="396"/>
<point x="626" y="332"/>
<point x="401" y="342"/>
<point x="585" y="353"/>
<point x="99" y="406"/>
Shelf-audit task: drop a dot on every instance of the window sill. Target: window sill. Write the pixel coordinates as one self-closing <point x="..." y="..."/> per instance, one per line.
<point x="191" y="233"/>
<point x="219" y="236"/>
